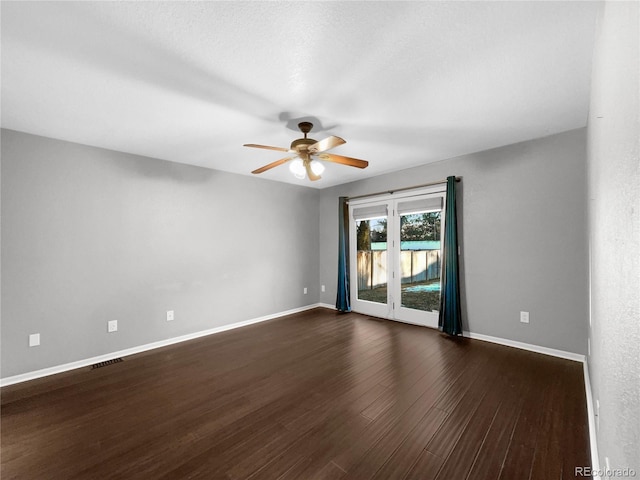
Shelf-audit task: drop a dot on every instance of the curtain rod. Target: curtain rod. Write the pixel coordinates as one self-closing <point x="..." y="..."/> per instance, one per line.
<point x="402" y="189"/>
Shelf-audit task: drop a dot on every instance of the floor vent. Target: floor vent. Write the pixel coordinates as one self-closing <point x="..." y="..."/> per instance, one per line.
<point x="104" y="364"/>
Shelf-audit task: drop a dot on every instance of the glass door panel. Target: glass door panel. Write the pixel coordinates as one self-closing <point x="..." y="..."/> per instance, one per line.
<point x="418" y="235"/>
<point x="370" y="264"/>
<point x="372" y="259"/>
<point x="419" y="265"/>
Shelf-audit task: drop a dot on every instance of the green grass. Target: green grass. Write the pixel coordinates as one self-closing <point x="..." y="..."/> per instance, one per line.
<point x="426" y="301"/>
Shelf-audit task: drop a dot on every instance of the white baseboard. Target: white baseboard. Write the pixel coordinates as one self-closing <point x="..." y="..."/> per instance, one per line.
<point x="24" y="377"/>
<point x="527" y="346"/>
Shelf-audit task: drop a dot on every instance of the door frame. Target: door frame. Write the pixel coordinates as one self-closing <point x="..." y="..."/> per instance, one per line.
<point x="392" y="310"/>
<point x="375" y="309"/>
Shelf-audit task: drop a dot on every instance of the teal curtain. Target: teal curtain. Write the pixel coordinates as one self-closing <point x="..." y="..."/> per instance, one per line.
<point x="342" y="301"/>
<point x="450" y="318"/>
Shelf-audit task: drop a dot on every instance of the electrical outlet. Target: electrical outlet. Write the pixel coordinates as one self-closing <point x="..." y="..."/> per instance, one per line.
<point x="112" y="326"/>
<point x="170" y="315"/>
<point x="305" y="290"/>
<point x="524" y="317"/>
<point x="322" y="288"/>
<point x="34" y="339"/>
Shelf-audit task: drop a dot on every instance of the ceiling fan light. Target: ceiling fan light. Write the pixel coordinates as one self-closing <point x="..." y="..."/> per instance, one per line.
<point x="297" y="168"/>
<point x="317" y="167"/>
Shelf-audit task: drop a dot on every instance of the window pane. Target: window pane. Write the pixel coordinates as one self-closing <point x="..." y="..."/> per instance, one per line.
<point x="372" y="259"/>
<point x="420" y="260"/>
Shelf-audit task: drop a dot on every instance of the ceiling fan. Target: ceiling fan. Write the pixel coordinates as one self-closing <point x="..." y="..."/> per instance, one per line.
<point x="305" y="149"/>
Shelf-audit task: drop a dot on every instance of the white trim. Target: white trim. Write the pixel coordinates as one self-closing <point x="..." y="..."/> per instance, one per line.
<point x="527" y="346"/>
<point x="24" y="377"/>
<point x="593" y="441"/>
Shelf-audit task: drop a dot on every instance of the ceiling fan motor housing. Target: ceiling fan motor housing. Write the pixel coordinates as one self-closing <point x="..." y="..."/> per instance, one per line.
<point x="302" y="144"/>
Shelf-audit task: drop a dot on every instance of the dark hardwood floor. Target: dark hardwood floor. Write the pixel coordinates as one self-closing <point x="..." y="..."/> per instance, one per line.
<point x="316" y="395"/>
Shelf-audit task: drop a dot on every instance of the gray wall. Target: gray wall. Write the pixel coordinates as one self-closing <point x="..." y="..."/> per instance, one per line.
<point x="90" y="235"/>
<point x="614" y="231"/>
<point x="522" y="218"/>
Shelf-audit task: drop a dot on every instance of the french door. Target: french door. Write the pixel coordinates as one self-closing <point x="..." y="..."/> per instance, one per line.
<point x="395" y="255"/>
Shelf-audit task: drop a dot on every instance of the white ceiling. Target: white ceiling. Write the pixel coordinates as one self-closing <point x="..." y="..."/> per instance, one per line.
<point x="405" y="83"/>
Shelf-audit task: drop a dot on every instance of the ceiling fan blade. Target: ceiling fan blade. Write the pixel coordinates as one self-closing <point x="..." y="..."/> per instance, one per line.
<point x="352" y="162"/>
<point x="312" y="176"/>
<point x="272" y="165"/>
<point x="266" y="147"/>
<point x="326" y="144"/>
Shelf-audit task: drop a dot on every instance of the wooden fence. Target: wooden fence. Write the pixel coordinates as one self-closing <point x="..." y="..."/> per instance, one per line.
<point x="415" y="266"/>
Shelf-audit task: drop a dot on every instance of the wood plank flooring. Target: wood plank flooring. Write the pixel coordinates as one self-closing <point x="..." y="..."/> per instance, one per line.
<point x="316" y="395"/>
